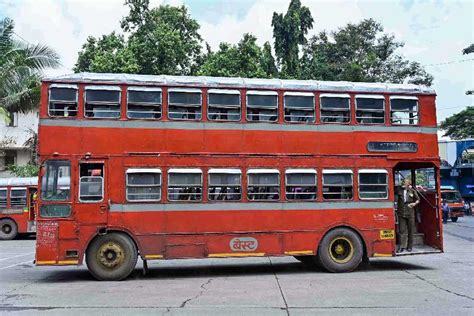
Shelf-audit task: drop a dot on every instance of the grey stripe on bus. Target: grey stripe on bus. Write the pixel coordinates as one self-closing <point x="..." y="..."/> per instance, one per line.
<point x="235" y="126"/>
<point x="252" y="206"/>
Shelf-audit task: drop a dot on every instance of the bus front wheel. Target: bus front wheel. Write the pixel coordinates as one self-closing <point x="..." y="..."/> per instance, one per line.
<point x="111" y="257"/>
<point x="340" y="250"/>
<point x="8" y="229"/>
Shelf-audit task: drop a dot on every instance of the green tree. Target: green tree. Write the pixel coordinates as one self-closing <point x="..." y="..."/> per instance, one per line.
<point x="163" y="40"/>
<point x="268" y="61"/>
<point x="459" y="125"/>
<point x="359" y="52"/>
<point x="241" y="60"/>
<point x="289" y="32"/>
<point x="21" y="66"/>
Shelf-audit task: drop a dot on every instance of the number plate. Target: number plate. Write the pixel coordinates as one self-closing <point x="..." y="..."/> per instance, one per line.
<point x="387" y="234"/>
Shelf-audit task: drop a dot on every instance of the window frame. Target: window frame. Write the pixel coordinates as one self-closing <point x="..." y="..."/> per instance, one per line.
<point x="264" y="171"/>
<point x="143" y="170"/>
<point x="338" y="171"/>
<point x="63" y="162"/>
<point x="7" y="194"/>
<point x="405" y="97"/>
<point x="374" y="171"/>
<point x="334" y="95"/>
<point x="370" y="96"/>
<point x="102" y="88"/>
<point x="224" y="91"/>
<point x="265" y="93"/>
<point x="300" y="94"/>
<point x="145" y="89"/>
<point x="90" y="201"/>
<point x="301" y="171"/>
<point x="63" y="86"/>
<point x="224" y="171"/>
<point x="184" y="170"/>
<point x="13" y="189"/>
<point x="184" y="90"/>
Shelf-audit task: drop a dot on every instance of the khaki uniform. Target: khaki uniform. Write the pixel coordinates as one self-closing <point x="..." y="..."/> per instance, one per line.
<point x="406" y="216"/>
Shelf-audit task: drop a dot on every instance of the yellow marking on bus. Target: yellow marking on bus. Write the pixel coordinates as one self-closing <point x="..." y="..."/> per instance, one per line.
<point x="45" y="262"/>
<point x="300" y="252"/>
<point x="68" y="262"/>
<point x="382" y="254"/>
<point x="153" y="256"/>
<point x="386" y="234"/>
<point x="236" y="254"/>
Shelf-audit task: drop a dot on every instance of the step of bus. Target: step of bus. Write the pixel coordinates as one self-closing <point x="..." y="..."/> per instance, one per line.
<point x="418" y="239"/>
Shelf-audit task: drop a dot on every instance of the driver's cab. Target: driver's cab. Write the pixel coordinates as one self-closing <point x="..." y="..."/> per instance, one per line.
<point x="428" y="227"/>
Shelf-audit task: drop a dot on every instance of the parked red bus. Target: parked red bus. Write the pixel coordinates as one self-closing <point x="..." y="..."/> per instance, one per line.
<point x="165" y="167"/>
<point x="17" y="206"/>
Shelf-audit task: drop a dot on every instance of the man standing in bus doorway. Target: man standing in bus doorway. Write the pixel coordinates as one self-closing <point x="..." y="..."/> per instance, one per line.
<point x="407" y="200"/>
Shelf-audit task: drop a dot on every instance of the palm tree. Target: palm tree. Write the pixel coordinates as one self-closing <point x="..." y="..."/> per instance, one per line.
<point x="21" y="67"/>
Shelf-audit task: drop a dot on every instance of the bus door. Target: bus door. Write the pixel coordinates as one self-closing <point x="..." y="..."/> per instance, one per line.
<point x="32" y="202"/>
<point x="428" y="234"/>
<point x="92" y="198"/>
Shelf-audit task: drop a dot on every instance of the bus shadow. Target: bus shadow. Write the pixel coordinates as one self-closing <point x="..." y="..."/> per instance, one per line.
<point x="25" y="237"/>
<point x="225" y="270"/>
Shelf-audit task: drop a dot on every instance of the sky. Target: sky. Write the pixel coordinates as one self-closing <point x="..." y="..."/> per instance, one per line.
<point x="434" y="32"/>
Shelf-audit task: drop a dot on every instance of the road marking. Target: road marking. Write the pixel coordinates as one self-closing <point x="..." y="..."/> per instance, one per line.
<point x="17" y="264"/>
<point x="26" y="254"/>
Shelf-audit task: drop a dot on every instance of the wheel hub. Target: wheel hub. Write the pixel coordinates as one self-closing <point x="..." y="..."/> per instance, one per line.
<point x="341" y="250"/>
<point x="110" y="255"/>
<point x="6" y="229"/>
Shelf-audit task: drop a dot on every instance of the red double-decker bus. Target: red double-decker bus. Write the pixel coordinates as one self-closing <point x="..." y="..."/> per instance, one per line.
<point x="165" y="167"/>
<point x="17" y="206"/>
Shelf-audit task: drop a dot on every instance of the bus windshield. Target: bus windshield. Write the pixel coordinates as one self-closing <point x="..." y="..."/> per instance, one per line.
<point x="56" y="182"/>
<point x="451" y="197"/>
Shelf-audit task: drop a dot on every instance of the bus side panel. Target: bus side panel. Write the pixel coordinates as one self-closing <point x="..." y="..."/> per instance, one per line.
<point x="21" y="220"/>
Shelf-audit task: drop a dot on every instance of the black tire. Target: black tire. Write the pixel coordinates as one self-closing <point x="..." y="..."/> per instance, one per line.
<point x="8" y="229"/>
<point x="454" y="219"/>
<point x="111" y="257"/>
<point x="340" y="250"/>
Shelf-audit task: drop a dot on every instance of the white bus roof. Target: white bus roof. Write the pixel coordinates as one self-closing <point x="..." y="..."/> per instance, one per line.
<point x="18" y="181"/>
<point x="248" y="83"/>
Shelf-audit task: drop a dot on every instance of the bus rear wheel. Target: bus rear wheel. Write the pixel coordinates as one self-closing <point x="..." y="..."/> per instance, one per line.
<point x="111" y="257"/>
<point x="340" y="250"/>
<point x="8" y="229"/>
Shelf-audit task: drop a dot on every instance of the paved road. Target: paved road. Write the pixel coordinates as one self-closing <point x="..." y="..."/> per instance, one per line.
<point x="431" y="284"/>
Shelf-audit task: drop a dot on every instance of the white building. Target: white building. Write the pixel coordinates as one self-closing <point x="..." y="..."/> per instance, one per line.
<point x="12" y="140"/>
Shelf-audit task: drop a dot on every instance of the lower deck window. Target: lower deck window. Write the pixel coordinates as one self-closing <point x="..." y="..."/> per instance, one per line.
<point x="3" y="198"/>
<point x="373" y="184"/>
<point x="225" y="185"/>
<point x="184" y="185"/>
<point x="18" y="198"/>
<point x="337" y="185"/>
<point x="263" y="184"/>
<point x="143" y="185"/>
<point x="301" y="184"/>
<point x="91" y="182"/>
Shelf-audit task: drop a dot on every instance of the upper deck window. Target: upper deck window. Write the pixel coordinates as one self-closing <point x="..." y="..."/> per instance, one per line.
<point x="17" y="198"/>
<point x="262" y="106"/>
<point x="143" y="185"/>
<point x="144" y="103"/>
<point x="263" y="184"/>
<point x="102" y="101"/>
<point x="225" y="184"/>
<point x="185" y="185"/>
<point x="184" y="104"/>
<point x="301" y="184"/>
<point x="370" y="109"/>
<point x="404" y="110"/>
<point x="223" y="105"/>
<point x="62" y="100"/>
<point x="337" y="184"/>
<point x="373" y="184"/>
<point x="3" y="198"/>
<point x="299" y="107"/>
<point x="335" y="108"/>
